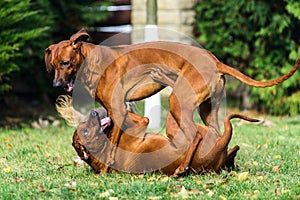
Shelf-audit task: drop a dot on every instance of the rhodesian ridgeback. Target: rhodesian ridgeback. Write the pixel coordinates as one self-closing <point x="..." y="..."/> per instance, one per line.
<point x="115" y="75"/>
<point x="151" y="152"/>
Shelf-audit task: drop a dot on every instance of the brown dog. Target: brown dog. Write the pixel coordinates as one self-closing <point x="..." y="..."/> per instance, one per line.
<point x="119" y="74"/>
<point x="151" y="152"/>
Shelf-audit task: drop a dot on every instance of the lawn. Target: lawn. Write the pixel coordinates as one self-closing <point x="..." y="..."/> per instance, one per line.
<point x="39" y="164"/>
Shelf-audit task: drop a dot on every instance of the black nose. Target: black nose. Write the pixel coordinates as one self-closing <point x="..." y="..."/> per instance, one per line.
<point x="57" y="84"/>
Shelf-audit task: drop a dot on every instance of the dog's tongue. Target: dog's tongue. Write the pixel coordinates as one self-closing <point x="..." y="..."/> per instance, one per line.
<point x="105" y="122"/>
<point x="70" y="87"/>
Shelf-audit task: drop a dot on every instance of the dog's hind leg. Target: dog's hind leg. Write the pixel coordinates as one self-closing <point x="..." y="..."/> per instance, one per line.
<point x="208" y="110"/>
<point x="183" y="100"/>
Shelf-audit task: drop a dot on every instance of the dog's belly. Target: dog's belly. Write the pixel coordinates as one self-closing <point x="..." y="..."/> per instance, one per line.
<point x="138" y="83"/>
<point x="138" y="93"/>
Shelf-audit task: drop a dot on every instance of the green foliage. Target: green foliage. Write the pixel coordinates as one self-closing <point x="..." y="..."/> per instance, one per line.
<point x="260" y="38"/>
<point x="27" y="27"/>
<point x="291" y="105"/>
<point x="71" y="15"/>
<point x="293" y="7"/>
<point x="19" y="24"/>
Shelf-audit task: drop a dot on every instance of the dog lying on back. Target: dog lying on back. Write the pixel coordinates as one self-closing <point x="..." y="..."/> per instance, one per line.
<point x="149" y="151"/>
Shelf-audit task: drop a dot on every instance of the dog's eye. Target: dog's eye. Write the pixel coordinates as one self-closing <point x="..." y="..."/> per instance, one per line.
<point x="85" y="131"/>
<point x="65" y="64"/>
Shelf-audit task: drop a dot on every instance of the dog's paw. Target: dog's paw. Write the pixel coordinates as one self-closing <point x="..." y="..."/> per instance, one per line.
<point x="181" y="173"/>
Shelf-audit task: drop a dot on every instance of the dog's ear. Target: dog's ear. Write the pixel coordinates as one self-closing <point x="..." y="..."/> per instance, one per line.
<point x="49" y="67"/>
<point x="78" y="37"/>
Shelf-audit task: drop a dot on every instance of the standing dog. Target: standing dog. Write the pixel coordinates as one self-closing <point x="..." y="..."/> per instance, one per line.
<point x="114" y="75"/>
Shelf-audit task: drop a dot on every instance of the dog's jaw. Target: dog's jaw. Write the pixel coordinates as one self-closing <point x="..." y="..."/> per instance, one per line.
<point x="69" y="87"/>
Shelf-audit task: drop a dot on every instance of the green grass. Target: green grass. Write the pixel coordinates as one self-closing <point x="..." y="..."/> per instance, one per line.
<point x="38" y="164"/>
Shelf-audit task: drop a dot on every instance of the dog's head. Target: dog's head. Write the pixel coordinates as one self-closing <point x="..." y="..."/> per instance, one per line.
<point x="65" y="58"/>
<point x="90" y="137"/>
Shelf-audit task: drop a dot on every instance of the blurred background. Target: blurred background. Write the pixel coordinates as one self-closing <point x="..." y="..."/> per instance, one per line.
<point x="261" y="38"/>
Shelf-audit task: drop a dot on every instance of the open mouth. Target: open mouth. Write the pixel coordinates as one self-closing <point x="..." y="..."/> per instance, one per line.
<point x="105" y="124"/>
<point x="69" y="87"/>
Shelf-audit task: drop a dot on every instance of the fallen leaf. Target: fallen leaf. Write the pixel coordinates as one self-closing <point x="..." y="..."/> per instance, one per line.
<point x="154" y="197"/>
<point x="284" y="190"/>
<point x="19" y="179"/>
<point x="7" y="139"/>
<point x="67" y="185"/>
<point x="41" y="188"/>
<point x="222" y="197"/>
<point x="232" y="173"/>
<point x="207" y="186"/>
<point x="253" y="196"/>
<point x="77" y="161"/>
<point x="195" y="191"/>
<point x="40" y="124"/>
<point x="275" y="169"/>
<point x="260" y="178"/>
<point x="210" y="193"/>
<point x="266" y="123"/>
<point x="56" y="123"/>
<point x="277" y="156"/>
<point x="47" y="155"/>
<point x="152" y="180"/>
<point x="93" y="184"/>
<point x="277" y="182"/>
<point x="106" y="193"/>
<point x="43" y="123"/>
<point x="164" y="179"/>
<point x="261" y="173"/>
<point x="183" y="193"/>
<point x="7" y="169"/>
<point x="73" y="185"/>
<point x="177" y="186"/>
<point x="243" y="176"/>
<point x="255" y="163"/>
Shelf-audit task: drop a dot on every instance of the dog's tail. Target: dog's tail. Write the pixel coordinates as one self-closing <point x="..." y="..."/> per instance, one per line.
<point x="65" y="109"/>
<point x="249" y="81"/>
<point x="225" y="139"/>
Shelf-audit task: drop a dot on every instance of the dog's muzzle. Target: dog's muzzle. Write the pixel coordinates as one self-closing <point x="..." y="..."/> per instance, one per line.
<point x="68" y="87"/>
<point x="57" y="83"/>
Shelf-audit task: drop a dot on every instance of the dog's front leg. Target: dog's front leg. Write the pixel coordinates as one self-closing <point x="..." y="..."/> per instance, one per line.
<point x="122" y="119"/>
<point x="115" y="138"/>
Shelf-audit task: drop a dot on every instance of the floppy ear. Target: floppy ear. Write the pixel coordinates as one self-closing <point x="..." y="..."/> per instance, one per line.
<point x="78" y="37"/>
<point x="49" y="67"/>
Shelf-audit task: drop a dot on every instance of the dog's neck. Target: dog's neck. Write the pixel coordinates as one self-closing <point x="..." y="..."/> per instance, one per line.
<point x="89" y="76"/>
<point x="86" y="48"/>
